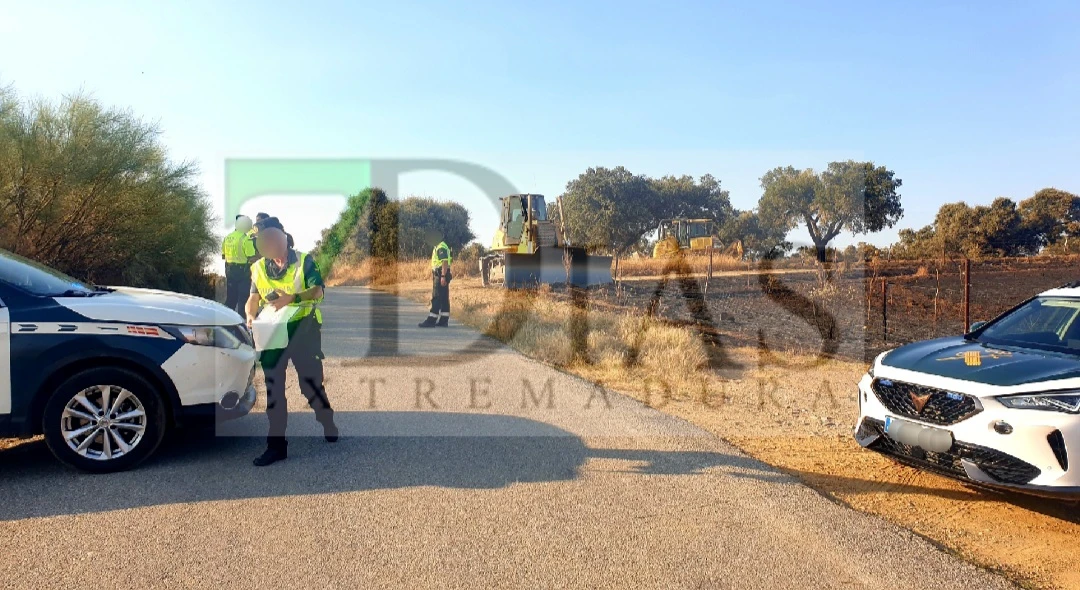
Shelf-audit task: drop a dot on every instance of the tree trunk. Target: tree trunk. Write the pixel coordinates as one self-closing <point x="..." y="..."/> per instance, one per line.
<point x="821" y="251"/>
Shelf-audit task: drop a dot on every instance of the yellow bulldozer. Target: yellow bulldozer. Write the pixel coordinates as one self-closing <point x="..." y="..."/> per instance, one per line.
<point x="692" y="236"/>
<point x="530" y="249"/>
<point x="686" y="235"/>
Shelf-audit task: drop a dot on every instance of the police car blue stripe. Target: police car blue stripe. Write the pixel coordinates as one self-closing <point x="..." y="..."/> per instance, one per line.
<point x="36" y="356"/>
<point x="46" y="310"/>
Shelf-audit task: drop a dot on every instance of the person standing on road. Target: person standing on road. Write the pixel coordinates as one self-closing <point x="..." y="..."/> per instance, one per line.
<point x="238" y="251"/>
<point x="439" y="314"/>
<point x="285" y="277"/>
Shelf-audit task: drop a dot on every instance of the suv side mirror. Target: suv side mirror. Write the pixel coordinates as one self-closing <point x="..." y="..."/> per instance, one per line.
<point x="976" y="326"/>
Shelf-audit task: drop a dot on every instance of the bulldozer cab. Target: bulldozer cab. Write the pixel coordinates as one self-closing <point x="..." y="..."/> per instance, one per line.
<point x="676" y="235"/>
<point x="513" y="218"/>
<point x="686" y="230"/>
<point x="518" y="211"/>
<point x="537" y="208"/>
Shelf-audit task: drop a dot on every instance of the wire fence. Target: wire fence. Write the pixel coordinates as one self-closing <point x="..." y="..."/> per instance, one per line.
<point x="931" y="298"/>
<point x="848" y="309"/>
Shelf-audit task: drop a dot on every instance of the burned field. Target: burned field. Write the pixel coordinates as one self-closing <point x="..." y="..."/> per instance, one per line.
<point x="846" y="313"/>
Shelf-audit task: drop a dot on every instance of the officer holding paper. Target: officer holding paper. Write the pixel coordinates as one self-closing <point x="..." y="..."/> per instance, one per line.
<point x="283" y="312"/>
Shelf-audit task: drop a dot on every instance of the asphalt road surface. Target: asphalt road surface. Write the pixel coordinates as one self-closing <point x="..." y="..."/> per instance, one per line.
<point x="463" y="465"/>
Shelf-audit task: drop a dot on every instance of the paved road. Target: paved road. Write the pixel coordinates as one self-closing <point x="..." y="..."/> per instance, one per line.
<point x="454" y="475"/>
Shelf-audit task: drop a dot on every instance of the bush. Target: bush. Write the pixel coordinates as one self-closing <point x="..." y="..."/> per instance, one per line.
<point x="335" y="239"/>
<point x="467" y="261"/>
<point x="89" y="191"/>
<point x="373" y="226"/>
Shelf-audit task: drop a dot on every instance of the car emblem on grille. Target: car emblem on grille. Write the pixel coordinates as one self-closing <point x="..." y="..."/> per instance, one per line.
<point x="920" y="401"/>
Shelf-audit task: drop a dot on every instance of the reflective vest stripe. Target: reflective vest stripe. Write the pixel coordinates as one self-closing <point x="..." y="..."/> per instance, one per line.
<point x="292" y="283"/>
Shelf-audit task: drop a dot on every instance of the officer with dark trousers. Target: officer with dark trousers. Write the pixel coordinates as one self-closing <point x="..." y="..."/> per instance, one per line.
<point x="287" y="278"/>
<point x="238" y="250"/>
<point x="439" y="315"/>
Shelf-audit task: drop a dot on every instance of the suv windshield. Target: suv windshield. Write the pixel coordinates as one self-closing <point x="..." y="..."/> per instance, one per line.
<point x="38" y="279"/>
<point x="1045" y="323"/>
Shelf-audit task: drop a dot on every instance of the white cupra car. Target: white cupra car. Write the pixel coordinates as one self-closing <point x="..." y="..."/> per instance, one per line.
<point x="997" y="407"/>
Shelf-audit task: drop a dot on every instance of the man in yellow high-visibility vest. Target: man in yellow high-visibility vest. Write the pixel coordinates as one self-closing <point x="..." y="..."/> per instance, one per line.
<point x="238" y="251"/>
<point x="283" y="278"/>
<point x="439" y="314"/>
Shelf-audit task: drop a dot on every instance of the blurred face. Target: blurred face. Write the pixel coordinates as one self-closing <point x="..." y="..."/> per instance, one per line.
<point x="432" y="238"/>
<point x="272" y="243"/>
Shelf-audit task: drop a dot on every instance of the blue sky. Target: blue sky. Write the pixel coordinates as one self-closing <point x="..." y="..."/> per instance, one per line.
<point x="965" y="101"/>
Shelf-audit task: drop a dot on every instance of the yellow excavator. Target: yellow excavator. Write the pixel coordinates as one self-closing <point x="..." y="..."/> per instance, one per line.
<point x="686" y="236"/>
<point x="529" y="249"/>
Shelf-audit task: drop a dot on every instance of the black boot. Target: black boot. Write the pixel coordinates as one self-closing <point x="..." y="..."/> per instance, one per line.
<point x="270" y="455"/>
<point x="330" y="431"/>
<point x="444" y="321"/>
<point x="428" y="323"/>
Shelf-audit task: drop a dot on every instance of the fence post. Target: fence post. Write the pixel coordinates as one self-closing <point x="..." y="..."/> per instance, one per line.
<point x="884" y="310"/>
<point x="967" y="294"/>
<point x="708" y="275"/>
<point x="618" y="283"/>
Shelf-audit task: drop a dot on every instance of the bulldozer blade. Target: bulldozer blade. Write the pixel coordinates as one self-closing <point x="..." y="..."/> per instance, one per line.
<point x="554" y="266"/>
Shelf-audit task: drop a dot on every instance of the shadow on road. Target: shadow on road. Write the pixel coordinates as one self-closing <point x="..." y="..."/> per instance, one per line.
<point x="400" y="449"/>
<point x="1060" y="509"/>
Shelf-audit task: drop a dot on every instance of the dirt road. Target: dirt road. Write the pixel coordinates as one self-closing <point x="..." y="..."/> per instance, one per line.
<point x="454" y="472"/>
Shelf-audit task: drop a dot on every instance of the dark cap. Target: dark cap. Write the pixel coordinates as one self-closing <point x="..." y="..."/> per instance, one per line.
<point x="270" y="222"/>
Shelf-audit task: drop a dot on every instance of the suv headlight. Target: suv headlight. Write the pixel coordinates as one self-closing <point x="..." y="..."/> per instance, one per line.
<point x="1059" y="401"/>
<point x="217" y="336"/>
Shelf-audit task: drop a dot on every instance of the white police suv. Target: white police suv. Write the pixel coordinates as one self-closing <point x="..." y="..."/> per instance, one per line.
<point x="103" y="373"/>
<point x="998" y="407"/>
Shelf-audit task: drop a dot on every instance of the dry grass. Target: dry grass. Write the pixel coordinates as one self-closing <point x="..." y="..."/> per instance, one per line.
<point x="623" y="349"/>
<point x="378" y="272"/>
<point x="382" y="272"/>
<point x="538" y="325"/>
<point x="698" y="263"/>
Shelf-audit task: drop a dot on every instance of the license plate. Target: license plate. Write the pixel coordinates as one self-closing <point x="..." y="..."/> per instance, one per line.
<point x="917" y="435"/>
